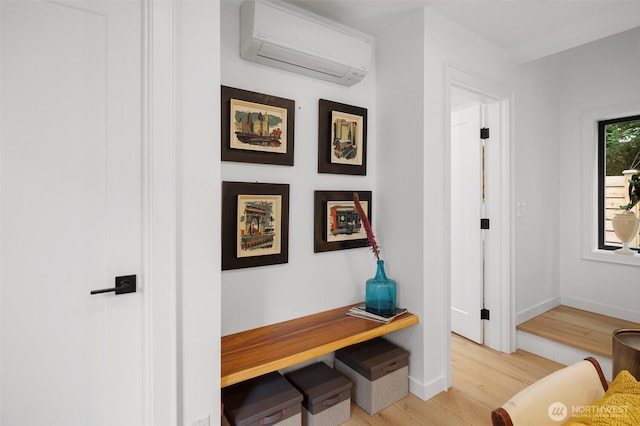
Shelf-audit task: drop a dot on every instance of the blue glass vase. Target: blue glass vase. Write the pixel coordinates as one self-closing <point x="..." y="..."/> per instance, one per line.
<point x="380" y="293"/>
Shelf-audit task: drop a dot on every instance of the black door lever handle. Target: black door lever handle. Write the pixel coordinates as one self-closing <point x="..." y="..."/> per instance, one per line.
<point x="124" y="284"/>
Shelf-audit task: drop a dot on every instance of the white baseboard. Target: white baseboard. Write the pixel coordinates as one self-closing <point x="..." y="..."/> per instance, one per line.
<point x="428" y="390"/>
<point x="536" y="310"/>
<point x="558" y="352"/>
<point x="601" y="308"/>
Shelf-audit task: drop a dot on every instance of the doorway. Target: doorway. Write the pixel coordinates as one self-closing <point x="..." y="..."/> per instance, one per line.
<point x="480" y="275"/>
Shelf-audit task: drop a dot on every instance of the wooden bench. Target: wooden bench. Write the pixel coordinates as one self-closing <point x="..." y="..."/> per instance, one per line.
<point x="265" y="349"/>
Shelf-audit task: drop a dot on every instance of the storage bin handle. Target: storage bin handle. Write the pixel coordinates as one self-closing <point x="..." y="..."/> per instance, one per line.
<point x="332" y="401"/>
<point x="391" y="367"/>
<point x="272" y="418"/>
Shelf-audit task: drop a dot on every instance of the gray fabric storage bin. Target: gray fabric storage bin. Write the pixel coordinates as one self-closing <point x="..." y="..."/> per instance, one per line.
<point x="223" y="418"/>
<point x="379" y="371"/>
<point x="266" y="400"/>
<point x="224" y="421"/>
<point x="327" y="395"/>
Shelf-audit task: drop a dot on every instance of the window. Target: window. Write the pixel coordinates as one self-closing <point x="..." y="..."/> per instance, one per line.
<point x="618" y="150"/>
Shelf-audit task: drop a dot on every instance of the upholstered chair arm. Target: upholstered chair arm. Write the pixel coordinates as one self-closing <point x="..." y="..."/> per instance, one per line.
<point x="577" y="385"/>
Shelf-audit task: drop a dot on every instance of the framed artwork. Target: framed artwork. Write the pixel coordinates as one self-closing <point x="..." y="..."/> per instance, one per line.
<point x="337" y="224"/>
<point x="256" y="128"/>
<point x="255" y="224"/>
<point x="342" y="139"/>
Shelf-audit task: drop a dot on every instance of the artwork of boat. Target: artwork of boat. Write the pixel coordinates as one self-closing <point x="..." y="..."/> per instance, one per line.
<point x="255" y="129"/>
<point x="253" y="139"/>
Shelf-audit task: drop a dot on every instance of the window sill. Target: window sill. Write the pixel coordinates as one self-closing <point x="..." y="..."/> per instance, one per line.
<point x="611" y="257"/>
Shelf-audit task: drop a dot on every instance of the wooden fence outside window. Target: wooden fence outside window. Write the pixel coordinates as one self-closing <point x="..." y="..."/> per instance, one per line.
<point x="616" y="194"/>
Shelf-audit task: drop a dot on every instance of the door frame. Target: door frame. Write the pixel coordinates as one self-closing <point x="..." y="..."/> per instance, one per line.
<point x="499" y="296"/>
<point x="159" y="205"/>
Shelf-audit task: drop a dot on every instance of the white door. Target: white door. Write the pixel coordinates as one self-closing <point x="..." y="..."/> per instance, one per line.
<point x="70" y="218"/>
<point x="466" y="211"/>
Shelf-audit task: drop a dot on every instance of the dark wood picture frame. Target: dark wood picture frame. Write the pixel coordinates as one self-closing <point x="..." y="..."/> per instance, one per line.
<point x="256" y="153"/>
<point x="326" y="114"/>
<point x="321" y="201"/>
<point x="231" y="235"/>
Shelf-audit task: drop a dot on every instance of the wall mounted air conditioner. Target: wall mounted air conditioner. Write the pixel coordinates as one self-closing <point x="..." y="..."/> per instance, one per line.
<point x="290" y="38"/>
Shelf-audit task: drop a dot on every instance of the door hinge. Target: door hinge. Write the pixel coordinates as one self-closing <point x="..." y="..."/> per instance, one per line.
<point x="484" y="223"/>
<point x="484" y="314"/>
<point x="484" y="133"/>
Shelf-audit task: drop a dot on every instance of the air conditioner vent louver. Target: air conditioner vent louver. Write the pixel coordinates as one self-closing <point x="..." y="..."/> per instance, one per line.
<point x="289" y="38"/>
<point x="298" y="59"/>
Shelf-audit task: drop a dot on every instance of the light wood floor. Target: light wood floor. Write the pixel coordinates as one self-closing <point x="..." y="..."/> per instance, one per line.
<point x="482" y="379"/>
<point x="577" y="328"/>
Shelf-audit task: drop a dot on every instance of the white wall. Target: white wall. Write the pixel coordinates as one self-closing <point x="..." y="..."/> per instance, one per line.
<point x="309" y="282"/>
<point x="197" y="133"/>
<point x="400" y="178"/>
<point x="411" y="101"/>
<point x="536" y="176"/>
<point x="601" y="75"/>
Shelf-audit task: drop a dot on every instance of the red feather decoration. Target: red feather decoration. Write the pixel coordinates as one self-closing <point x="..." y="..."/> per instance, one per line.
<point x="367" y="226"/>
